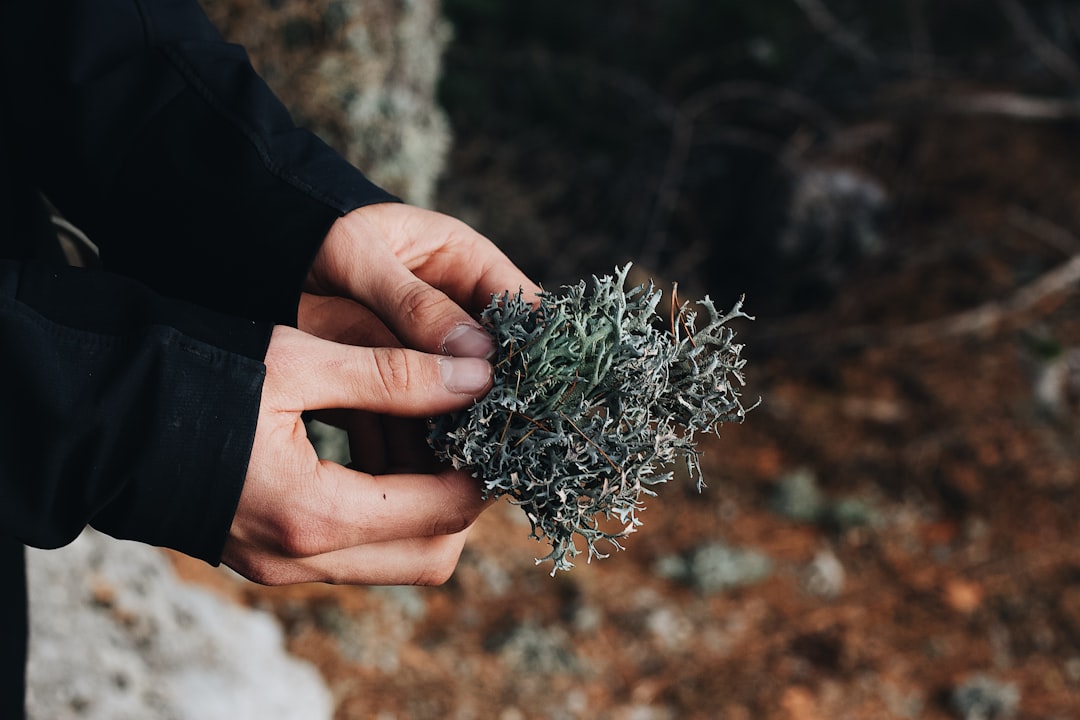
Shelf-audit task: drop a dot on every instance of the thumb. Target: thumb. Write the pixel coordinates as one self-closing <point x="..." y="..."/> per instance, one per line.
<point x="423" y="316"/>
<point x="354" y="262"/>
<point x="304" y="372"/>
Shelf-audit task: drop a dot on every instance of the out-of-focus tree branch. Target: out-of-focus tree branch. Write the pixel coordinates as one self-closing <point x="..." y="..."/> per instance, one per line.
<point x="826" y="23"/>
<point x="1050" y="55"/>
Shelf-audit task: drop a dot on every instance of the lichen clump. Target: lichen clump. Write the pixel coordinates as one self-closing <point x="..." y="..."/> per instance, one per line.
<point x="595" y="396"/>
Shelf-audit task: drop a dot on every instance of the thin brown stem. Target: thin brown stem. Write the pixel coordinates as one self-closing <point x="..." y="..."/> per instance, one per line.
<point x="591" y="442"/>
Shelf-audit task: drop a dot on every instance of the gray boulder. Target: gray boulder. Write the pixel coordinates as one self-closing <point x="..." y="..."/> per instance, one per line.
<point x="116" y="636"/>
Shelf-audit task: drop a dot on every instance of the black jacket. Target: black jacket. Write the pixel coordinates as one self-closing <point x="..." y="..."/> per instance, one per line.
<point x="129" y="394"/>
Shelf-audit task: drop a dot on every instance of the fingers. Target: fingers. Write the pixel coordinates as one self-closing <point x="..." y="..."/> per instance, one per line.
<point x="422" y="316"/>
<point x="357" y="261"/>
<point x="301" y="518"/>
<point x="421" y="272"/>
<point x="308" y="373"/>
<point x="345" y="526"/>
<point x="417" y="561"/>
<point x="448" y="254"/>
<point x="342" y="320"/>
<point x="403" y="276"/>
<point x="345" y="508"/>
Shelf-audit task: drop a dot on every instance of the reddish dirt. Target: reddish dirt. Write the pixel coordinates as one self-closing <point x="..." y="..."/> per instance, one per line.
<point x="971" y="567"/>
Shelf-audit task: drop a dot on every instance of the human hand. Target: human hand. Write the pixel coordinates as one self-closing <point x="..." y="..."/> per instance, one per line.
<point x="390" y="275"/>
<point x="377" y="443"/>
<point x="303" y="519"/>
<point x="419" y="272"/>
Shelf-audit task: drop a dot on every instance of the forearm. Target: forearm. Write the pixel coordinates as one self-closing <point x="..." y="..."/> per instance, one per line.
<point x="122" y="410"/>
<point x="161" y="141"/>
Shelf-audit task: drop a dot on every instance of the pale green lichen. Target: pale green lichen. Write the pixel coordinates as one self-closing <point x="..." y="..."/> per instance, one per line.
<point x="595" y="396"/>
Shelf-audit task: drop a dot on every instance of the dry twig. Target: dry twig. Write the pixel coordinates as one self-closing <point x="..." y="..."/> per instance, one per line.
<point x="1013" y="105"/>
<point x="992" y="314"/>
<point x="978" y="320"/>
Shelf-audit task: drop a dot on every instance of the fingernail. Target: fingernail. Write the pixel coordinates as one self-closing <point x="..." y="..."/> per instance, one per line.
<point x="467" y="340"/>
<point x="465" y="375"/>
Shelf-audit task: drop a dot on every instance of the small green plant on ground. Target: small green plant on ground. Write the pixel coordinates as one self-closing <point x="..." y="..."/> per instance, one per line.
<point x="595" y="396"/>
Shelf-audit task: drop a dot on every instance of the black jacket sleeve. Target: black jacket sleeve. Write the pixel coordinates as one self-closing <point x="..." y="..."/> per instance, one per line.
<point x="160" y="141"/>
<point x="121" y="409"/>
<point x="128" y="406"/>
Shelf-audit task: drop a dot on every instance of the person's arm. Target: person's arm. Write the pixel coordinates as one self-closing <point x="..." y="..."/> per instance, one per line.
<point x="121" y="409"/>
<point x="159" y="140"/>
<point x="156" y="420"/>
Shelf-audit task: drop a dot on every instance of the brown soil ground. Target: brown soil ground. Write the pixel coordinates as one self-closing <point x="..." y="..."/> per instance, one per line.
<point x="960" y="553"/>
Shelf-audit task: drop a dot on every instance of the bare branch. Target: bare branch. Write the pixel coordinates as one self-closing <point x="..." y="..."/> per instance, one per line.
<point x="1014" y="105"/>
<point x="990" y="315"/>
<point x="1049" y="54"/>
<point x="978" y="320"/>
<point x="1049" y="232"/>
<point x="826" y="23"/>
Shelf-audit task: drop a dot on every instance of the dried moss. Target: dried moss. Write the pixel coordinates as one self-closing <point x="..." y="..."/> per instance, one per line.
<point x="593" y="401"/>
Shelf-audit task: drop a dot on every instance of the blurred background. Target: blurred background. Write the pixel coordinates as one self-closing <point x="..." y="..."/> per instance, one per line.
<point x="895" y="187"/>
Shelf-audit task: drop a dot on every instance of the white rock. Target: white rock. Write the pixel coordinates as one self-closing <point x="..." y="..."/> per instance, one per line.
<point x="114" y="635"/>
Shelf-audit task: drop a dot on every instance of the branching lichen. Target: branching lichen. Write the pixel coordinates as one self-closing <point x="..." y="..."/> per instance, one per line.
<point x="593" y="401"/>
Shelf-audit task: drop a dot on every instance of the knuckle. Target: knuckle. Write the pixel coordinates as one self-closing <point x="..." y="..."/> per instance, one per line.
<point x="393" y="371"/>
<point x="262" y="571"/>
<point x="441" y="563"/>
<point x="284" y="359"/>
<point x="268" y="576"/>
<point x="299" y="540"/>
<point x="436" y="577"/>
<point x="455" y="519"/>
<point x="418" y="302"/>
<point x="461" y="507"/>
